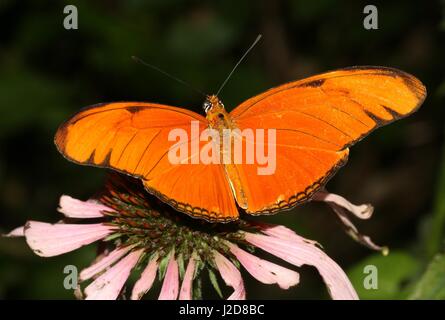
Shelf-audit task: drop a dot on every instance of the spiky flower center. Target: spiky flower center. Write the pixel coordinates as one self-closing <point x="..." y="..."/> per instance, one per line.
<point x="144" y="222"/>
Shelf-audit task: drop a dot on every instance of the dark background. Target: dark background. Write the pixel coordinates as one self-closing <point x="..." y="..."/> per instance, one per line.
<point x="47" y="73"/>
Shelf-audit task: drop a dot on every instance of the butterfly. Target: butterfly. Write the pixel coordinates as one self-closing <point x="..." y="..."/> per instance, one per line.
<point x="315" y="121"/>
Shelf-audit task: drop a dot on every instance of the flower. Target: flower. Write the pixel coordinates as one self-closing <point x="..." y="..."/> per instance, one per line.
<point x="144" y="236"/>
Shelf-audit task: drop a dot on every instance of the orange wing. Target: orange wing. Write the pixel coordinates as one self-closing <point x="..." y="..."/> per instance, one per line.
<point x="132" y="138"/>
<point x="316" y="120"/>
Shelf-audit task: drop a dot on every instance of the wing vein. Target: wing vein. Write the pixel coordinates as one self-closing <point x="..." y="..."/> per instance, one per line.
<point x="126" y="146"/>
<point x="309" y="134"/>
<point x="145" y="150"/>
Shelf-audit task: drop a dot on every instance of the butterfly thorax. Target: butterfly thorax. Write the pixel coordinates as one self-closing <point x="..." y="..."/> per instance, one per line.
<point x="216" y="114"/>
<point x="218" y="119"/>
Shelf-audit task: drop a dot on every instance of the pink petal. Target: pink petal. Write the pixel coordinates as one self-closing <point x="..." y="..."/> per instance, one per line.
<point x="363" y="211"/>
<point x="170" y="287"/>
<point x="74" y="208"/>
<point x="299" y="253"/>
<point x="265" y="271"/>
<point x="231" y="276"/>
<point x="146" y="280"/>
<point x="353" y="232"/>
<point x="17" y="232"/>
<point x="49" y="240"/>
<point x="103" y="263"/>
<point x="283" y="232"/>
<point x="342" y="207"/>
<point x="109" y="285"/>
<point x="186" y="288"/>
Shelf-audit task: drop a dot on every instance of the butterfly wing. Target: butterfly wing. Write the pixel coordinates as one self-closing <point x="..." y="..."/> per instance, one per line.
<point x="132" y="138"/>
<point x="316" y="120"/>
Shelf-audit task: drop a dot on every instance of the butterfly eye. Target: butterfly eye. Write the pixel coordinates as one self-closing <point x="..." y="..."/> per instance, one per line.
<point x="206" y="106"/>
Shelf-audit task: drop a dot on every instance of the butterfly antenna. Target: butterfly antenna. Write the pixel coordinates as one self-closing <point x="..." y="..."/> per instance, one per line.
<point x="238" y="63"/>
<point x="139" y="60"/>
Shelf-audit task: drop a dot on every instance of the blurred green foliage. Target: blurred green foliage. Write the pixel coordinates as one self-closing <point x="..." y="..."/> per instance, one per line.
<point x="432" y="283"/>
<point x="435" y="242"/>
<point x="393" y="272"/>
<point x="47" y="73"/>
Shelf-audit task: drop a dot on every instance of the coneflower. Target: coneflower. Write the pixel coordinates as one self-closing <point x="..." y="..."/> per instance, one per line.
<point x="143" y="235"/>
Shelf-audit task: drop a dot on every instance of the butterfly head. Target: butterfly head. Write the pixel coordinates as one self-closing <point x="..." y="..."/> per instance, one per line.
<point x="212" y="104"/>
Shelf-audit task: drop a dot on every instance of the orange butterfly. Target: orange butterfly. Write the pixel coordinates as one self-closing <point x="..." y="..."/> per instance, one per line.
<point x="315" y="121"/>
